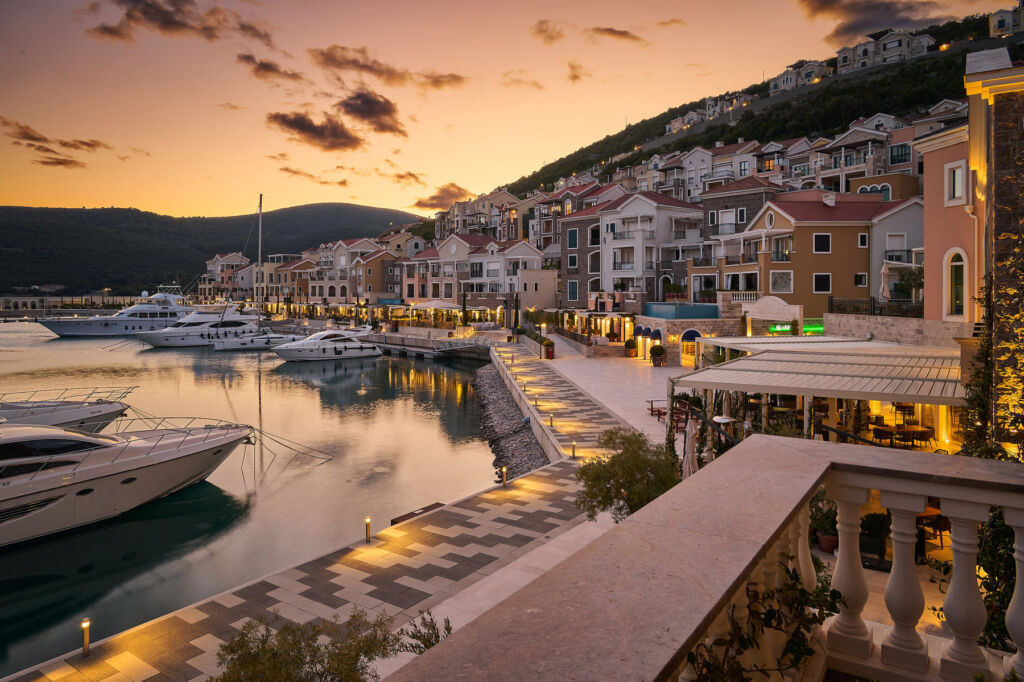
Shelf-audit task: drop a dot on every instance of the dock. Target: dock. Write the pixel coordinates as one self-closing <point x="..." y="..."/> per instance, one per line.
<point x="476" y="347"/>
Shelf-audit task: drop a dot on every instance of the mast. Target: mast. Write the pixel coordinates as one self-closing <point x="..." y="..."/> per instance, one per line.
<point x="259" y="265"/>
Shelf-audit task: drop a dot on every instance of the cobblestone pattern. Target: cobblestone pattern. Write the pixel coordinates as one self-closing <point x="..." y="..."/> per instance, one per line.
<point x="412" y="566"/>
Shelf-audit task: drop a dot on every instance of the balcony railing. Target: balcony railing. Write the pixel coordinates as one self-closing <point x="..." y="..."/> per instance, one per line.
<point x="899" y="255"/>
<point x="703" y="261"/>
<point x="494" y="273"/>
<point x="622" y="266"/>
<point x="719" y="173"/>
<point x="633" y="234"/>
<point x="734" y="259"/>
<point x="720" y="229"/>
<point x="762" y="540"/>
<point x="648" y="265"/>
<point x="893" y="307"/>
<point x="749" y="256"/>
<point x="780" y="256"/>
<point x="666" y="264"/>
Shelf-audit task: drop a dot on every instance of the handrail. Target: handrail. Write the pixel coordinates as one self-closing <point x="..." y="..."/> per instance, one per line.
<point x="818" y="426"/>
<point x="83" y="394"/>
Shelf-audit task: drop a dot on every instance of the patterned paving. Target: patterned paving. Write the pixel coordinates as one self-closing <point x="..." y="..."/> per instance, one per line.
<point x="576" y="416"/>
<point x="408" y="567"/>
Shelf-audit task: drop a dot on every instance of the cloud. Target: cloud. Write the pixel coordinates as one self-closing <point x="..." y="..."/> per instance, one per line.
<point x="23" y="132"/>
<point x="228" y="106"/>
<point x="375" y="110"/>
<point x="331" y="135"/>
<point x="138" y="151"/>
<point x="614" y="33"/>
<point x="296" y="173"/>
<point x="674" y="21"/>
<point x="43" y="149"/>
<point x="695" y="65"/>
<point x="59" y="162"/>
<point x="406" y="178"/>
<point x="89" y="9"/>
<point x="855" y="18"/>
<point x="175" y="18"/>
<point x="445" y="196"/>
<point x="84" y="145"/>
<point x="547" y="31"/>
<point x="577" y="72"/>
<point x="518" y="79"/>
<point x="282" y="156"/>
<point x="265" y="69"/>
<point x="342" y="59"/>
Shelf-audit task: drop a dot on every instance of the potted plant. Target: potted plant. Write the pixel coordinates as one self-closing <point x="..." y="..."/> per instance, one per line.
<point x="658" y="355"/>
<point x="549" y="349"/>
<point x="630" y="346"/>
<point x="823" y="521"/>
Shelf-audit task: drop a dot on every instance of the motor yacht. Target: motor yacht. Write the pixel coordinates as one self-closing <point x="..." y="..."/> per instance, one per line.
<point x="264" y="340"/>
<point x="53" y="479"/>
<point x="203" y="326"/>
<point x="148" y="312"/>
<point x="332" y="344"/>
<point x="83" y="409"/>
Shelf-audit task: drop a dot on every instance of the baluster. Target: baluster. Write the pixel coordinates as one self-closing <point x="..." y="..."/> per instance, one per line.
<point x="741" y="614"/>
<point x="763" y="656"/>
<point x="774" y="640"/>
<point x="848" y="633"/>
<point x="802" y="545"/>
<point x="964" y="608"/>
<point x="904" y="598"/>
<point x="719" y="629"/>
<point x="1015" y="612"/>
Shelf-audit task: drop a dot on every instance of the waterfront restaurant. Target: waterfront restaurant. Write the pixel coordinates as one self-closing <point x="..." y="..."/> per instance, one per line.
<point x="912" y="394"/>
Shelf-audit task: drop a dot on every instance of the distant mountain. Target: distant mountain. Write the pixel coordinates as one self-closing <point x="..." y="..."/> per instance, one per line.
<point x="130" y="250"/>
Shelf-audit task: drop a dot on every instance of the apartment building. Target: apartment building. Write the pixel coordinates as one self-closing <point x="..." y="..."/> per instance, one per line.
<point x="402" y="243"/>
<point x="685" y="121"/>
<point x="630" y="243"/>
<point x="1006" y="22"/>
<point x="804" y="247"/>
<point x="799" y="74"/>
<point x="375" y="278"/>
<point x="730" y="162"/>
<point x="882" y="47"/>
<point x="499" y="271"/>
<point x="220" y="279"/>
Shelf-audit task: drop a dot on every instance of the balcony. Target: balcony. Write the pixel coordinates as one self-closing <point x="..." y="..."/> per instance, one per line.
<point x="722" y="229"/>
<point x="494" y="273"/>
<point x="666" y="264"/>
<point x="704" y="262"/>
<point x="719" y="173"/>
<point x="899" y="256"/>
<point x="733" y="259"/>
<point x="749" y="256"/>
<point x="893" y="307"/>
<point x="648" y="265"/>
<point x="717" y="577"/>
<point x="780" y="256"/>
<point x="622" y="266"/>
<point x="633" y="234"/>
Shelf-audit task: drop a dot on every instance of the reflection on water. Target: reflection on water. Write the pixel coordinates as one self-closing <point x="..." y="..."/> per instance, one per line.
<point x="43" y="581"/>
<point x="401" y="433"/>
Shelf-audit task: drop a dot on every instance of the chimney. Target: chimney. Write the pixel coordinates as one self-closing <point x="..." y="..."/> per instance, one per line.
<point x="719" y="144"/>
<point x="739" y="140"/>
<point x="828" y="198"/>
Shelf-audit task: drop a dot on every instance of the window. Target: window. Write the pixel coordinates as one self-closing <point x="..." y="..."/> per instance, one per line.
<point x="369" y="288"/>
<point x="956" y="190"/>
<point x="595" y="236"/>
<point x="744" y="168"/>
<point x="536" y="286"/>
<point x="862" y="240"/>
<point x="781" y="282"/>
<point x="899" y="153"/>
<point x="571" y="238"/>
<point x="712" y="217"/>
<point x="369" y="271"/>
<point x="860" y="279"/>
<point x="769" y="220"/>
<point x="568" y="207"/>
<point x="846" y="59"/>
<point x="823" y="283"/>
<point x="573" y="262"/>
<point x="741" y="215"/>
<point x="610" y="227"/>
<point x="769" y="165"/>
<point x="574" y="288"/>
<point x="955" y="279"/>
<point x="823" y="242"/>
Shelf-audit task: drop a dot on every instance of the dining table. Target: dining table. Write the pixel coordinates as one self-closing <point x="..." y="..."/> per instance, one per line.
<point x="894" y="430"/>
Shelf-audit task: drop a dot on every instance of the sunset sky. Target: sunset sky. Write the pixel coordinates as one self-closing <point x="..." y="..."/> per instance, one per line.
<point x="193" y="107"/>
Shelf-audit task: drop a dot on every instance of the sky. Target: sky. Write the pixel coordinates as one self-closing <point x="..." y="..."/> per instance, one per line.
<point x="194" y="107"/>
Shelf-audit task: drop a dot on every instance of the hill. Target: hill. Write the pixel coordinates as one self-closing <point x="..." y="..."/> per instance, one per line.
<point x="130" y="250"/>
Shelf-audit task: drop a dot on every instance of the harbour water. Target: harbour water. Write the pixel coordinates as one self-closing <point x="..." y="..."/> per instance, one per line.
<point x="401" y="434"/>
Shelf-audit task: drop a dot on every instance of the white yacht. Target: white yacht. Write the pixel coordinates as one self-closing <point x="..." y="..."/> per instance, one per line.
<point x="332" y="344"/>
<point x="203" y="325"/>
<point x="53" y="479"/>
<point x="83" y="409"/>
<point x="265" y="340"/>
<point x="147" y="312"/>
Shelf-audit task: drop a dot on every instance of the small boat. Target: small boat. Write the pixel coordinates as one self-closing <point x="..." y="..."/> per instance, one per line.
<point x="147" y="312"/>
<point x="53" y="479"/>
<point x="332" y="344"/>
<point x="262" y="341"/>
<point x="83" y="409"/>
<point x="205" y="324"/>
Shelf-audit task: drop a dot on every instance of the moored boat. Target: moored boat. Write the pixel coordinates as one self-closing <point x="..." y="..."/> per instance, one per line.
<point x="83" y="409"/>
<point x="332" y="344"/>
<point x="148" y="312"/>
<point x="205" y="324"/>
<point x="264" y="340"/>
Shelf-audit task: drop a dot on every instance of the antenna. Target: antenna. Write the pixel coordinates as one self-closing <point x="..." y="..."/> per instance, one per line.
<point x="259" y="264"/>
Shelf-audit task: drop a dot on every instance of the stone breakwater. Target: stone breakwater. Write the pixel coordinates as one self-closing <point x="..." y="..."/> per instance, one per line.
<point x="512" y="442"/>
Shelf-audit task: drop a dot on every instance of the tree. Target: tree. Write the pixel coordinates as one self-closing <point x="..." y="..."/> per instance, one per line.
<point x="911" y="282"/>
<point x="636" y="473"/>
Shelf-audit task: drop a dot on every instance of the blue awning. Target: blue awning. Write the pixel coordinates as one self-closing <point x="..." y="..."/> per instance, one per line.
<point x="691" y="334"/>
<point x="643" y="331"/>
<point x="656" y="335"/>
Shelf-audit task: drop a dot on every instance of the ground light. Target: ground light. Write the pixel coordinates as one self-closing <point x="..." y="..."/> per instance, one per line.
<point x="574" y="449"/>
<point x="85" y="636"/>
<point x="367" y="520"/>
<point x="504" y="477"/>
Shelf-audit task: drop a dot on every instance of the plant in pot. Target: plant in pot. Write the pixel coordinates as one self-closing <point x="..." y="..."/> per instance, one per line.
<point x="658" y="355"/>
<point x="824" y="516"/>
<point x="630" y="346"/>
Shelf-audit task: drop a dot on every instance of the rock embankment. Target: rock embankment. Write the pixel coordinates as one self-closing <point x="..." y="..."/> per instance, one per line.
<point x="512" y="442"/>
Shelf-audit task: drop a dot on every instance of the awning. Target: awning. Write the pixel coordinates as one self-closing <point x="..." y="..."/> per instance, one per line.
<point x="839" y="344"/>
<point x="895" y="376"/>
<point x="642" y="331"/>
<point x="656" y="335"/>
<point x="436" y="305"/>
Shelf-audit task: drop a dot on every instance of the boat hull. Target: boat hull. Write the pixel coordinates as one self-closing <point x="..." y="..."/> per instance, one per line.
<point x="100" y="326"/>
<point x="254" y="342"/>
<point x="176" y="339"/>
<point x="345" y="351"/>
<point x="76" y="503"/>
<point x="91" y="417"/>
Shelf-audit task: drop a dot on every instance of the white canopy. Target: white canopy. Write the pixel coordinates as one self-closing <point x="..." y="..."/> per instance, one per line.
<point x="436" y="304"/>
<point x="899" y="375"/>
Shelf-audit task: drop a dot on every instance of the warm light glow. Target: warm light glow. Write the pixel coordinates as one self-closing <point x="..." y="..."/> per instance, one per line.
<point x="86" y="623"/>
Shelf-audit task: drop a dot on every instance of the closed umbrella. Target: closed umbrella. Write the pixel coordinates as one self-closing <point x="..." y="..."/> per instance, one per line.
<point x="690" y="449"/>
<point x="883" y="288"/>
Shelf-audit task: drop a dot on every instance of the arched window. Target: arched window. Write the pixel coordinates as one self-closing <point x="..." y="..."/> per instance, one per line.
<point x="955" y="282"/>
<point x="886" y="191"/>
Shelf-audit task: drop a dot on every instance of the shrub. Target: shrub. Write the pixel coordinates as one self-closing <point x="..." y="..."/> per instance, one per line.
<point x="630" y="344"/>
<point x="657" y="351"/>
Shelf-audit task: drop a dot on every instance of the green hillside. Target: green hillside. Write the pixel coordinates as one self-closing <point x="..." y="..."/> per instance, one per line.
<point x="129" y="250"/>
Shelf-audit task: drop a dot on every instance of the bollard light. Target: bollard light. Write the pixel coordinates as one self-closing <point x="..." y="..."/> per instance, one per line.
<point x="367" y="519"/>
<point x="551" y="420"/>
<point x="574" y="449"/>
<point x="504" y="477"/>
<point x="85" y="636"/>
<point x="535" y="404"/>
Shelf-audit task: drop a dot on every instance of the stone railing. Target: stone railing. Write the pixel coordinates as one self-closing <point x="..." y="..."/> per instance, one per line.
<point x="644" y="594"/>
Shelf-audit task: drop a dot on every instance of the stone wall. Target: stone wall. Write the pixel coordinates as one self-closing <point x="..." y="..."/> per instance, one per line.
<point x="907" y="330"/>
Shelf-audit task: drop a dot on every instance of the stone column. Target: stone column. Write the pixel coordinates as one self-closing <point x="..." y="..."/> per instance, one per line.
<point x="963" y="607"/>
<point x="848" y="633"/>
<point x="904" y="598"/>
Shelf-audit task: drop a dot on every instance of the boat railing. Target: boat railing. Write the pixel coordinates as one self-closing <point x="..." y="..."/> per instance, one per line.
<point x="182" y="428"/>
<point x="84" y="395"/>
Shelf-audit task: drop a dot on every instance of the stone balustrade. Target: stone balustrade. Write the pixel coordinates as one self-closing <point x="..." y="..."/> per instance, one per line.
<point x="638" y="599"/>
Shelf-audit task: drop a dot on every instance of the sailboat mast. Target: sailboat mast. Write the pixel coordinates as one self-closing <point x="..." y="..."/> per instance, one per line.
<point x="260" y="290"/>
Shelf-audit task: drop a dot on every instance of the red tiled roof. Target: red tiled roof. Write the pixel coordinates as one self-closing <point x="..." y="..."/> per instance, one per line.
<point x="666" y="200"/>
<point x="749" y="182"/>
<point x="593" y="210"/>
<point x="427" y="253"/>
<point x="476" y="239"/>
<point x="845" y="210"/>
<point x="731" y="148"/>
<point x="293" y="263"/>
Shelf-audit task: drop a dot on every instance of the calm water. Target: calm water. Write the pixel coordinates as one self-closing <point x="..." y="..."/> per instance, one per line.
<point x="403" y="433"/>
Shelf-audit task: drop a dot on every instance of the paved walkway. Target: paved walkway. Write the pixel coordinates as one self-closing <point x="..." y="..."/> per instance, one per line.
<point x="409" y="567"/>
